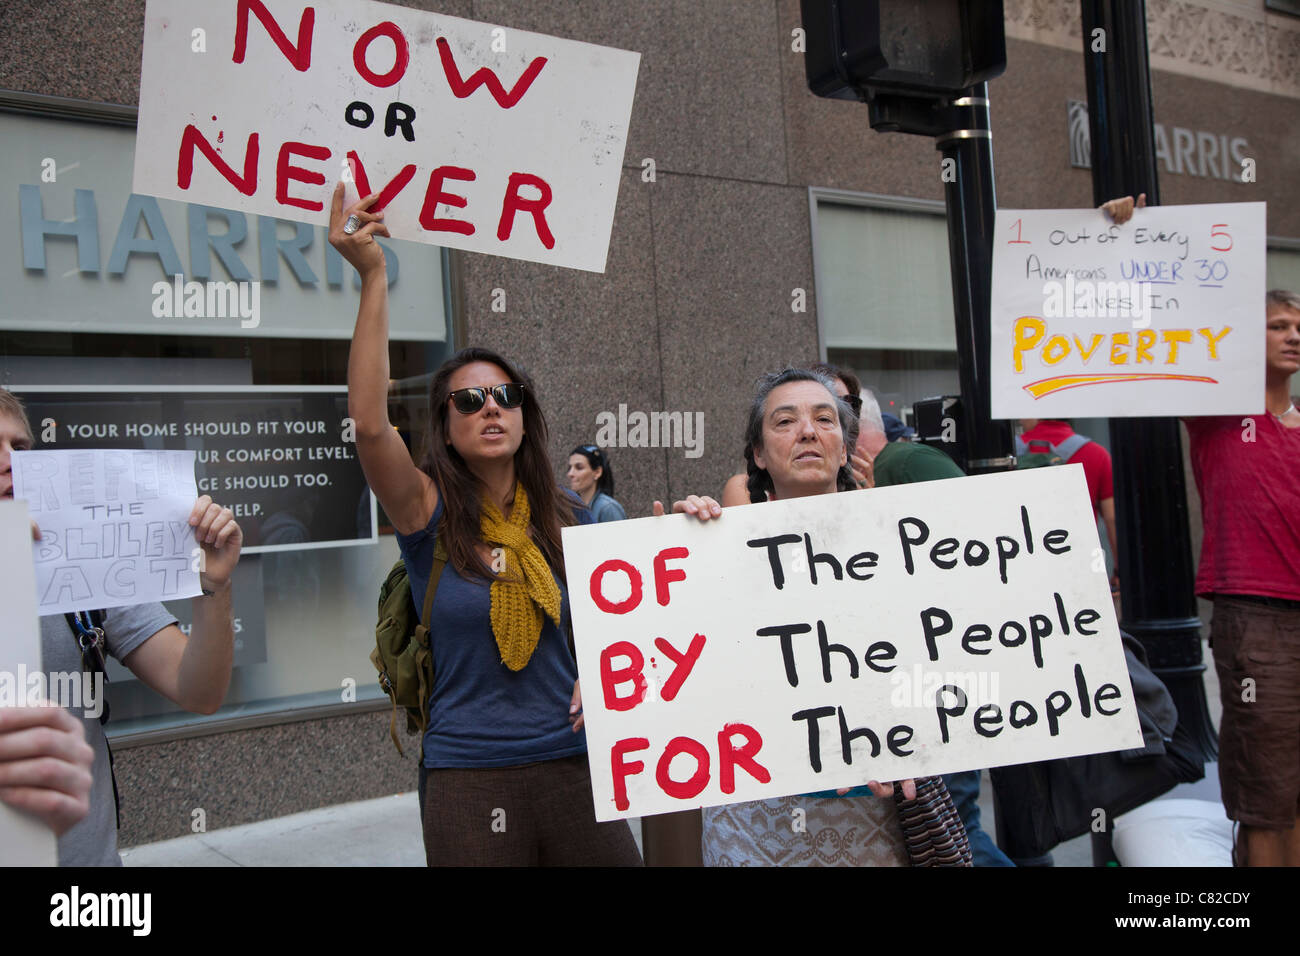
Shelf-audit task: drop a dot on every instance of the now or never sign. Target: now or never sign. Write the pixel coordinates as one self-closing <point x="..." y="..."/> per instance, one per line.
<point x="475" y="136"/>
<point x="822" y="642"/>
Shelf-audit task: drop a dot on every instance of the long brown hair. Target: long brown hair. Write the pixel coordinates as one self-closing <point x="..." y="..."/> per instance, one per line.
<point x="461" y="492"/>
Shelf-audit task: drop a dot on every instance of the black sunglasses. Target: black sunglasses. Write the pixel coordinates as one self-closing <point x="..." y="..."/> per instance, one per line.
<point x="470" y="400"/>
<point x="855" y="403"/>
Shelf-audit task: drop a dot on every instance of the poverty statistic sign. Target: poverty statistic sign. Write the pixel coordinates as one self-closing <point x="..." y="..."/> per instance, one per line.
<point x="822" y="642"/>
<point x="281" y="457"/>
<point x="1163" y="315"/>
<point x="474" y="136"/>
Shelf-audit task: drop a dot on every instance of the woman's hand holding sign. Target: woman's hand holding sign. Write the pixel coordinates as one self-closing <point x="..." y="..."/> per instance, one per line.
<point x="887" y="789"/>
<point x="701" y="506"/>
<point x="353" y="231"/>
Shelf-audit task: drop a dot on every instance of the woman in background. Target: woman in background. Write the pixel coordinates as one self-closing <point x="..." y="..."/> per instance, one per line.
<point x="592" y="480"/>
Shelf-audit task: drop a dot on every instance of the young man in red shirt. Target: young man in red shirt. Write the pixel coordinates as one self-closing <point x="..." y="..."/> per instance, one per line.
<point x="1248" y="473"/>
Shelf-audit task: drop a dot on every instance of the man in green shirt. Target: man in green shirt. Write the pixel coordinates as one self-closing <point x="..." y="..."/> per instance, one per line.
<point x="899" y="462"/>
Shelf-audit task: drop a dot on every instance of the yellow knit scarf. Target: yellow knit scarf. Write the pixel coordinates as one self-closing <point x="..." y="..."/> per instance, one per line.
<point x="524" y="588"/>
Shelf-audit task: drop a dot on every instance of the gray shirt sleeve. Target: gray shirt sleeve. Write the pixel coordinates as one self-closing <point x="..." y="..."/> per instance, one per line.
<point x="126" y="628"/>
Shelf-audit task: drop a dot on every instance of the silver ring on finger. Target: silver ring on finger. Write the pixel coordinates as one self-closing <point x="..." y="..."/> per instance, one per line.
<point x="352" y="225"/>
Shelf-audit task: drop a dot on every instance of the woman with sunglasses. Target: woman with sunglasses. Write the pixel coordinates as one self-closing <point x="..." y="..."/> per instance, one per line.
<point x="737" y="490"/>
<point x="503" y="774"/>
<point x="592" y="480"/>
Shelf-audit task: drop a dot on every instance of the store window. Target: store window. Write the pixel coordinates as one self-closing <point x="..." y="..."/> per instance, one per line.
<point x="134" y="322"/>
<point x="884" y="294"/>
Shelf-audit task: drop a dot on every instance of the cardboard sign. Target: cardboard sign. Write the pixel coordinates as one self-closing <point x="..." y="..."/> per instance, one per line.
<point x="823" y="642"/>
<point x="114" y="526"/>
<point x="24" y="840"/>
<point x="476" y="137"/>
<point x="1163" y="315"/>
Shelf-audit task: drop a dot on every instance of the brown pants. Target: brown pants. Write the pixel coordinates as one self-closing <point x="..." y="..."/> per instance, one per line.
<point x="1257" y="655"/>
<point x="538" y="814"/>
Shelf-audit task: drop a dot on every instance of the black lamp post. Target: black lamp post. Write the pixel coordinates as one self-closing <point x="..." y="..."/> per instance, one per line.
<point x="1155" y="556"/>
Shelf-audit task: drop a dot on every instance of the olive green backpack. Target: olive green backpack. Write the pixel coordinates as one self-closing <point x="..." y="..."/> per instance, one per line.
<point x="403" y="655"/>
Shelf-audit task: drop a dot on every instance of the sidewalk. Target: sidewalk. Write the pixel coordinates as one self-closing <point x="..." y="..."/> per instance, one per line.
<point x="382" y="832"/>
<point x="386" y="832"/>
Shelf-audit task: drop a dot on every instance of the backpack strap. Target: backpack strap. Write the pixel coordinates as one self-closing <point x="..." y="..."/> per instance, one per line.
<point x="435" y="574"/>
<point x="439" y="562"/>
<point x="88" y="628"/>
<point x="1068" y="448"/>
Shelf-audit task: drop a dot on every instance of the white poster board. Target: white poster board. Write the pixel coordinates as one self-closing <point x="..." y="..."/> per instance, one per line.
<point x="24" y="840"/>
<point x="481" y="138"/>
<point x="704" y="682"/>
<point x="1163" y="315"/>
<point x="114" y="526"/>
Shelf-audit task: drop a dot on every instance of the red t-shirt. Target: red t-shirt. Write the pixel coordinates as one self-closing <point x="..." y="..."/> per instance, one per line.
<point x="1250" y="505"/>
<point x="1094" y="458"/>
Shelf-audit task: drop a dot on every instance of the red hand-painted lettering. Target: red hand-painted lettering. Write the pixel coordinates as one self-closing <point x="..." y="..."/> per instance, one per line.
<point x="394" y="33"/>
<point x="682" y="664"/>
<point x="597" y="587"/>
<point x="622" y="769"/>
<point x="191" y="137"/>
<point x="299" y="56"/>
<point x="687" y="789"/>
<point x="284" y="172"/>
<point x="514" y="203"/>
<point x="462" y="88"/>
<point x="611" y="677"/>
<point x="663" y="576"/>
<point x="729" y="756"/>
<point x="395" y="185"/>
<point x="434" y="196"/>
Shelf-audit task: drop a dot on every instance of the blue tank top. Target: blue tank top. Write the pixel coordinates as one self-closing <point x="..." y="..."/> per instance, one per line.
<point x="482" y="713"/>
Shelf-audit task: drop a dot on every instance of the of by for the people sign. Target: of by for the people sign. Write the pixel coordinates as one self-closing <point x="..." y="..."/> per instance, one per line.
<point x="822" y="642"/>
<point x="475" y="136"/>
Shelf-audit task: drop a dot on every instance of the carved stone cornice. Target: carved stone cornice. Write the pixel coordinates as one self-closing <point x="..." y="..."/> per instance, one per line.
<point x="1234" y="42"/>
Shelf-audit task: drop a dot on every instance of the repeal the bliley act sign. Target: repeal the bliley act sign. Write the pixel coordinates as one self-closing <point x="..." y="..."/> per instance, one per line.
<point x="475" y="137"/>
<point x="822" y="642"/>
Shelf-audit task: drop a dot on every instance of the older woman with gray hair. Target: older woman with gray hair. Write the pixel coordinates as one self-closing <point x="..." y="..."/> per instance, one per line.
<point x="795" y="437"/>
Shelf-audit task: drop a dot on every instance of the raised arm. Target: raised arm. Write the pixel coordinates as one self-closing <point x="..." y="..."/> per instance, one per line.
<point x="407" y="494"/>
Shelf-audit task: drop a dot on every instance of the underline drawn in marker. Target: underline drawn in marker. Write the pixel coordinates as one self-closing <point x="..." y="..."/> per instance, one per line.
<point x="1060" y="383"/>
